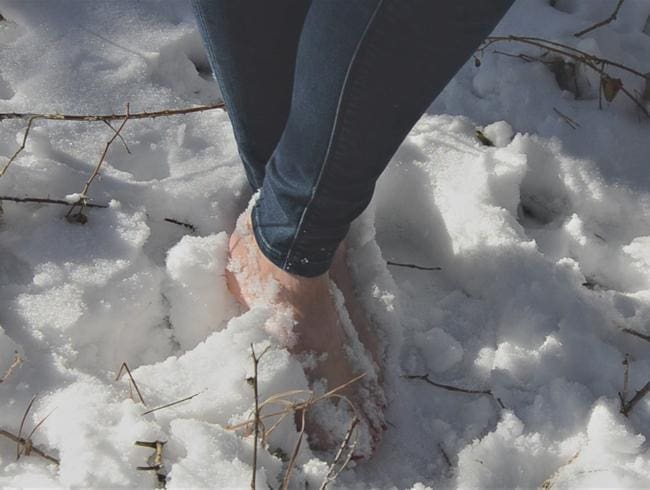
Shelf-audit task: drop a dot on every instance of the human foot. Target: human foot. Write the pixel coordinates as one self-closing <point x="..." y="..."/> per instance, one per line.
<point x="319" y="331"/>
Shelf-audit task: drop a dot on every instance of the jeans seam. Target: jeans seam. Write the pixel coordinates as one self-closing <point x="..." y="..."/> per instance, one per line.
<point x="331" y="139"/>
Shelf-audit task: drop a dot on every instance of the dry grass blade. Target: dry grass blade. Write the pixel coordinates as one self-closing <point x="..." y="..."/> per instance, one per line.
<point x="17" y="362"/>
<point x="22" y="145"/>
<point x="426" y="379"/>
<point x="125" y="367"/>
<point x="29" y="437"/>
<point x="22" y="424"/>
<point x="171" y="404"/>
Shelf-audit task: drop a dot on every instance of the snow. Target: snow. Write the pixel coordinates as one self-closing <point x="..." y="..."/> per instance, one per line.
<point x="543" y="241"/>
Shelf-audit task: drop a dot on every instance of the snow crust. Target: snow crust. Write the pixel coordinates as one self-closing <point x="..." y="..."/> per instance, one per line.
<point x="543" y="241"/>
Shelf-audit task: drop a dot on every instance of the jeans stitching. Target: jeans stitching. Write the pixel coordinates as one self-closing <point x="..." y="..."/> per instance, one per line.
<point x="332" y="135"/>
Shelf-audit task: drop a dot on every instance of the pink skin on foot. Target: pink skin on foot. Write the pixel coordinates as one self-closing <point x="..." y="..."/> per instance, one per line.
<point x="252" y="278"/>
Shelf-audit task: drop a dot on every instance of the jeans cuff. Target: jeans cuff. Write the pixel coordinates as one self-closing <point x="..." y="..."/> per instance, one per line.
<point x="304" y="266"/>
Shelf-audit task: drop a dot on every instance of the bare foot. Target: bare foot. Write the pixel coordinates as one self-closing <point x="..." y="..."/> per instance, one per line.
<point x="318" y="327"/>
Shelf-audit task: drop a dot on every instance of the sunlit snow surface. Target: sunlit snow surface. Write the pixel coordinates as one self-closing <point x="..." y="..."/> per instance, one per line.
<point x="543" y="241"/>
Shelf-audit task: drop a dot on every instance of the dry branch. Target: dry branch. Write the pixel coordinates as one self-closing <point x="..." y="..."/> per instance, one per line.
<point x="596" y="63"/>
<point x="256" y="362"/>
<point x="333" y="472"/>
<point x="629" y="406"/>
<point x="638" y="334"/>
<point x="602" y="23"/>
<point x="27" y="443"/>
<point x="157" y="465"/>
<point x="111" y="117"/>
<point x="412" y="266"/>
<point x="189" y="226"/>
<point x="21" y="147"/>
<point x="426" y="379"/>
<point x="17" y="362"/>
<point x="45" y="200"/>
<point x="79" y="217"/>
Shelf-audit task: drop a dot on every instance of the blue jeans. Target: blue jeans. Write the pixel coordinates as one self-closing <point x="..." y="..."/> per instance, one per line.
<point x="321" y="94"/>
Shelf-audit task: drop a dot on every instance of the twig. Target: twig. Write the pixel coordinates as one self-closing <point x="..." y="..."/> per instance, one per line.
<point x="157" y="459"/>
<point x="294" y="454"/>
<point x="44" y="200"/>
<point x="594" y="62"/>
<point x="626" y="376"/>
<point x="126" y="147"/>
<point x="22" y="145"/>
<point x="125" y="367"/>
<point x="112" y="117"/>
<point x="567" y="119"/>
<point x="79" y="217"/>
<point x="33" y="449"/>
<point x="413" y="266"/>
<point x="631" y="331"/>
<point x="17" y="362"/>
<point x="189" y="226"/>
<point x="549" y="482"/>
<point x="609" y="19"/>
<point x="426" y="379"/>
<point x="627" y="408"/>
<point x="171" y="404"/>
<point x="445" y="456"/>
<point x="256" y="428"/>
<point x="333" y="473"/>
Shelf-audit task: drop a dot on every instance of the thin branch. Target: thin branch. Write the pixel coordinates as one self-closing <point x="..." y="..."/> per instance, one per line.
<point x="256" y="428"/>
<point x="33" y="449"/>
<point x="426" y="379"/>
<point x="602" y="23"/>
<point x="413" y="266"/>
<point x="445" y="456"/>
<point x="294" y="454"/>
<point x="111" y="117"/>
<point x="333" y="473"/>
<point x="638" y="334"/>
<point x="44" y="200"/>
<point x="189" y="226"/>
<point x="567" y="119"/>
<point x="126" y="147"/>
<point x="627" y="408"/>
<point x="171" y="404"/>
<point x="594" y="62"/>
<point x="17" y="362"/>
<point x="84" y="192"/>
<point x="125" y="367"/>
<point x="22" y="145"/>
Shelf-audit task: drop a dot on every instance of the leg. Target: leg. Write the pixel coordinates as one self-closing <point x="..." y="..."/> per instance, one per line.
<point x="251" y="46"/>
<point x="366" y="71"/>
<point x="362" y="81"/>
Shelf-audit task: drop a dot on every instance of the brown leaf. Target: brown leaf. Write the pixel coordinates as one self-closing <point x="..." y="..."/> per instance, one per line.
<point x="611" y="87"/>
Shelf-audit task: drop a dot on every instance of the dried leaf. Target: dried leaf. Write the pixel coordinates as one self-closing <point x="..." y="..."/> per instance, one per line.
<point x="611" y="87"/>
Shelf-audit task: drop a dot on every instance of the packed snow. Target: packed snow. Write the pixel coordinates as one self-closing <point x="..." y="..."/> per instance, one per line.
<point x="542" y="240"/>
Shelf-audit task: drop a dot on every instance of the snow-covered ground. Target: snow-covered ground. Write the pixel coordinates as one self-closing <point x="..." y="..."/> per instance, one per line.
<point x="543" y="241"/>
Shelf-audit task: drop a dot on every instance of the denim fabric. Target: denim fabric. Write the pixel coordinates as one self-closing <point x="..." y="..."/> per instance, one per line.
<point x="321" y="94"/>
